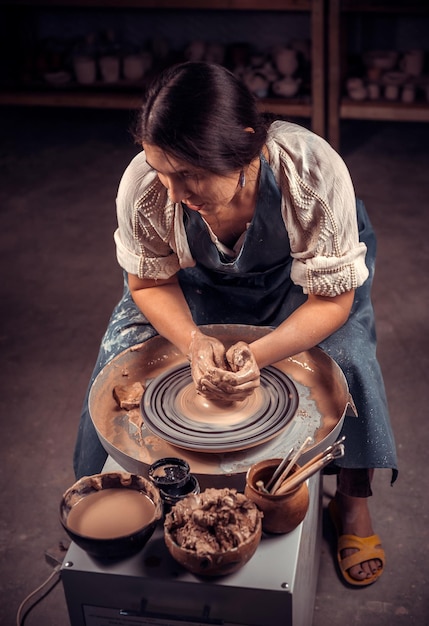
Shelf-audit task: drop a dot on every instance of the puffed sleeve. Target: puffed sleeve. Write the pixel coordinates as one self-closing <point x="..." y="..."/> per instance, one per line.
<point x="149" y="237"/>
<point x="319" y="210"/>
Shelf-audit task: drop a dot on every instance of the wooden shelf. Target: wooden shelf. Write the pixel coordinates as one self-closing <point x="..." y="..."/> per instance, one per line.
<point x="384" y="6"/>
<point x="384" y="110"/>
<point x="340" y="107"/>
<point x="90" y="100"/>
<point x="313" y="108"/>
<point x="236" y="5"/>
<point x="293" y="107"/>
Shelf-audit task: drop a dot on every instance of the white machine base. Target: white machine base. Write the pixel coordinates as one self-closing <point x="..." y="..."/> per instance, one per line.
<point x="277" y="587"/>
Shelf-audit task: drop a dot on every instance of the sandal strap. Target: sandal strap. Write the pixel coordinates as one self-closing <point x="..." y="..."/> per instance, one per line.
<point x="368" y="548"/>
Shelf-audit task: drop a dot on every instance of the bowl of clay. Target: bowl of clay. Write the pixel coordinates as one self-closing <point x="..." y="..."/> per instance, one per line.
<point x="213" y="533"/>
<point x="111" y="515"/>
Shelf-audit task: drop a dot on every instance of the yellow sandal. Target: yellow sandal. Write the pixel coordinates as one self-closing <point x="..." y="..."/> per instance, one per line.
<point x="367" y="548"/>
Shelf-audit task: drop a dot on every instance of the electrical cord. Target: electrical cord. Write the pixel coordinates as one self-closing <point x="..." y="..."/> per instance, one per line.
<point x="43" y="590"/>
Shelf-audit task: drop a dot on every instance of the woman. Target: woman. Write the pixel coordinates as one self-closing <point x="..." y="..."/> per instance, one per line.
<point x="224" y="218"/>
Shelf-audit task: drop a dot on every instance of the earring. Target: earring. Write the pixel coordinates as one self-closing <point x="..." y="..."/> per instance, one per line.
<point x="242" y="179"/>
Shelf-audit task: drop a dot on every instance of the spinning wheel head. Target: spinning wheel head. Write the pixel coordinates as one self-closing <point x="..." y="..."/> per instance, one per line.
<point x="173" y="411"/>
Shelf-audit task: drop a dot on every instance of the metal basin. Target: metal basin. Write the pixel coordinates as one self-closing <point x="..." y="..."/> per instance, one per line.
<point x="323" y="399"/>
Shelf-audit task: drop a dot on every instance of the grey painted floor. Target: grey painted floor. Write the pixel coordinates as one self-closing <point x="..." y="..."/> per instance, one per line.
<point x="59" y="282"/>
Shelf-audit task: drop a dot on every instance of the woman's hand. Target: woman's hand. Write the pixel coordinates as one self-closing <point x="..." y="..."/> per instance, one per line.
<point x="206" y="355"/>
<point x="229" y="377"/>
<point x="245" y="375"/>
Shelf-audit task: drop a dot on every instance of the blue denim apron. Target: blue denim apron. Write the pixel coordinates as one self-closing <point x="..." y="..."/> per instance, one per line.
<point x="256" y="288"/>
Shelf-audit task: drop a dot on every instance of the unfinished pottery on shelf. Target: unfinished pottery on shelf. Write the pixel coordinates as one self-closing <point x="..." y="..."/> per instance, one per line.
<point x="110" y="69"/>
<point x="256" y="82"/>
<point x="286" y="60"/>
<point x="85" y="69"/>
<point x="412" y="62"/>
<point x="286" y="87"/>
<point x="382" y="59"/>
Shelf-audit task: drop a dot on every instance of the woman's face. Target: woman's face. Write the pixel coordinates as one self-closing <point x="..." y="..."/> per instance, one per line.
<point x="200" y="190"/>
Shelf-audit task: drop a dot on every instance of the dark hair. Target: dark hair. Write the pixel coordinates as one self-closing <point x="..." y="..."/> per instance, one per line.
<point x="197" y="112"/>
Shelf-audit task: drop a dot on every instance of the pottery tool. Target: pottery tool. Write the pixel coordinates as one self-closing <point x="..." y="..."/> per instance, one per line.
<point x="279" y="469"/>
<point x="332" y="448"/>
<point x="308" y="470"/>
<point x="291" y="463"/>
<point x="261" y="487"/>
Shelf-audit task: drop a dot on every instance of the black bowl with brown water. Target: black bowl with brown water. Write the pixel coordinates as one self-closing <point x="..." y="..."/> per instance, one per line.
<point x="111" y="515"/>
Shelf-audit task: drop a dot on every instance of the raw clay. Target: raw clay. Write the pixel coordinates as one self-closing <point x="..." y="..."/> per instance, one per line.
<point x="213" y="521"/>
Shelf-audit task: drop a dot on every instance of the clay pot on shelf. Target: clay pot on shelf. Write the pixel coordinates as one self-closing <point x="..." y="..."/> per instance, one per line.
<point x="286" y="60"/>
<point x="373" y="90"/>
<point x="286" y="87"/>
<point x="394" y="78"/>
<point x="408" y="94"/>
<point x="256" y="83"/>
<point x="384" y="60"/>
<point x="85" y="69"/>
<point x="110" y="68"/>
<point x="412" y="62"/>
<point x="356" y="89"/>
<point x="358" y="94"/>
<point x="133" y="67"/>
<point x="282" y="513"/>
<point x="374" y="74"/>
<point x="393" y="82"/>
<point x="391" y="92"/>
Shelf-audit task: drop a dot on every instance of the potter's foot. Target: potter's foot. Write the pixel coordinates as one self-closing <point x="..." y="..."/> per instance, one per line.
<point x="359" y="552"/>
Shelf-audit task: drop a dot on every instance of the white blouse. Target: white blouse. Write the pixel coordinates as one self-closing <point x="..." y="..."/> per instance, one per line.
<point x="318" y="208"/>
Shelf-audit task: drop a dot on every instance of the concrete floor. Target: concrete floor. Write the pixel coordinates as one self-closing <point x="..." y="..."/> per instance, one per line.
<point x="59" y="282"/>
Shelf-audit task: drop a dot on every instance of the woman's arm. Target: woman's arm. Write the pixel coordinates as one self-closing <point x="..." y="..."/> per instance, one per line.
<point x="164" y="305"/>
<point x="313" y="321"/>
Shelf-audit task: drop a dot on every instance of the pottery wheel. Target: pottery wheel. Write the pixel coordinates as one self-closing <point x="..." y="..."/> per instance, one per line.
<point x="130" y="441"/>
<point x="173" y="410"/>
